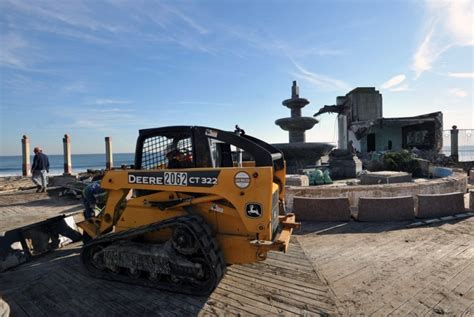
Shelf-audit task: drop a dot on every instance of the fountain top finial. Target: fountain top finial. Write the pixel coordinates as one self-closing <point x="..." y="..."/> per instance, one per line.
<point x="295" y="90"/>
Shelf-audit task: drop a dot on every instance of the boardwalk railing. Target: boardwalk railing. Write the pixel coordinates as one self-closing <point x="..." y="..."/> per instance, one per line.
<point x="459" y="143"/>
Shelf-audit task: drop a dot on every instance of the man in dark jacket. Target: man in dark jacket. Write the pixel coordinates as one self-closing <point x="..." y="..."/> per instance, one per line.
<point x="39" y="169"/>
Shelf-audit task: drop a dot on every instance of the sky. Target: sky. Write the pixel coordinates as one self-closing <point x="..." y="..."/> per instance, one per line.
<point x="109" y="68"/>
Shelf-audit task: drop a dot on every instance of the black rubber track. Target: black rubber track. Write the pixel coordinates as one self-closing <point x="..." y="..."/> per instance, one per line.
<point x="201" y="231"/>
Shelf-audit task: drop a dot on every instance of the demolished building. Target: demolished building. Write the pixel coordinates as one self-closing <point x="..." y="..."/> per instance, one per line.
<point x="362" y="127"/>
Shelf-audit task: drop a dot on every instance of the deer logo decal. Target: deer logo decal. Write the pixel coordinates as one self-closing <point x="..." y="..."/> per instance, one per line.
<point x="254" y="210"/>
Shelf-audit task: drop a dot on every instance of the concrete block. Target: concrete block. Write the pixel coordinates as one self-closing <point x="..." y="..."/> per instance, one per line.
<point x="471" y="201"/>
<point x="424" y="167"/>
<point x="322" y="209"/>
<point x="341" y="168"/>
<point x="62" y="180"/>
<point x="384" y="177"/>
<point x="297" y="180"/>
<point x="386" y="208"/>
<point x="439" y="205"/>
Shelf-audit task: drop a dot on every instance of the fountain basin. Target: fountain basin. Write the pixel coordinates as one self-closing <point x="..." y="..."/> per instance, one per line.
<point x="295" y="102"/>
<point x="301" y="154"/>
<point x="297" y="124"/>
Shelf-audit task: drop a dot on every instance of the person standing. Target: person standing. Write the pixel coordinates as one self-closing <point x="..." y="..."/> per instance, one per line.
<point x="39" y="169"/>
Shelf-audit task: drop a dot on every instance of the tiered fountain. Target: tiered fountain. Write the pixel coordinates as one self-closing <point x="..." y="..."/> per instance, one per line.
<point x="298" y="153"/>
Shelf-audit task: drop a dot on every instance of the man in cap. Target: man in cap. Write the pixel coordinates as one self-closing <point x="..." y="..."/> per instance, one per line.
<point x="178" y="159"/>
<point x="39" y="169"/>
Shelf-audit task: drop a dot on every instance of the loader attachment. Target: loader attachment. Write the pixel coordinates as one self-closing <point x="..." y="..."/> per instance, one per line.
<point x="22" y="244"/>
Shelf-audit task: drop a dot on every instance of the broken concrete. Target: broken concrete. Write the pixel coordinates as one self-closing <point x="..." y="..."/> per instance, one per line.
<point x="296" y="180"/>
<point x="322" y="209"/>
<point x="386" y="208"/>
<point x="344" y="164"/>
<point x="440" y="205"/>
<point x="385" y="177"/>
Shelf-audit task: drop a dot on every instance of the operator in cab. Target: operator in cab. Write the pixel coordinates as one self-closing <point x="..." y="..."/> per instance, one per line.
<point x="178" y="159"/>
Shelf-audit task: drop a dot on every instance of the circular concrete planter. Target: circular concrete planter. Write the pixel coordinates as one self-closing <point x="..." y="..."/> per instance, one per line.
<point x="455" y="183"/>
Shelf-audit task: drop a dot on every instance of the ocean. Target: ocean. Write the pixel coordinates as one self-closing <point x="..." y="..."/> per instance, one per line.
<point x="11" y="165"/>
<point x="466" y="152"/>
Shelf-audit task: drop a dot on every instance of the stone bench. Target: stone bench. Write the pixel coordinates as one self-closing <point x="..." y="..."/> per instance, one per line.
<point x="439" y="205"/>
<point x="386" y="208"/>
<point x="322" y="209"/>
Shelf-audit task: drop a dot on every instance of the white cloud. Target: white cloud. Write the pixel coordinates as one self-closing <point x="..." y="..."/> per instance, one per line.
<point x="403" y="87"/>
<point x="76" y="87"/>
<point x="10" y="51"/>
<point x="451" y="25"/>
<point x="188" y="20"/>
<point x="427" y="53"/>
<point x="73" y="13"/>
<point x="112" y="110"/>
<point x="98" y="119"/>
<point x="111" y="102"/>
<point x="458" y="92"/>
<point x="461" y="75"/>
<point x="123" y="20"/>
<point x="320" y="81"/>
<point x="287" y="47"/>
<point x="205" y="103"/>
<point x="394" y="81"/>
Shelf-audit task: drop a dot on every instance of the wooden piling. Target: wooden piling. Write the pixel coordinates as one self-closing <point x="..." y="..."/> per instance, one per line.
<point x="25" y="152"/>
<point x="67" y="155"/>
<point x="109" y="160"/>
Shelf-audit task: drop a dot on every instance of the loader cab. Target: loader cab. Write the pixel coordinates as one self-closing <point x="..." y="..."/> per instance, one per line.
<point x="202" y="147"/>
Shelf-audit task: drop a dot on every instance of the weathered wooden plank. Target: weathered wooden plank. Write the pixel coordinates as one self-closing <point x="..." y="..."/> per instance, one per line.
<point x="294" y="286"/>
<point x="295" y="267"/>
<point x="25" y="304"/>
<point x="418" y="279"/>
<point x="178" y="303"/>
<point x="285" y="300"/>
<point x="309" y="281"/>
<point x="237" y="304"/>
<point x="299" y="261"/>
<point x="266" y="300"/>
<point x="402" y="262"/>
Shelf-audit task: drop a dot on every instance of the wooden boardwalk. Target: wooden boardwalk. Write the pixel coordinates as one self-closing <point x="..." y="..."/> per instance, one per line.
<point x="353" y="268"/>
<point x="57" y="284"/>
<point x="18" y="209"/>
<point x="386" y="269"/>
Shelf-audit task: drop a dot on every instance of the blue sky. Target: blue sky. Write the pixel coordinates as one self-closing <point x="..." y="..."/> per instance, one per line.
<point x="108" y="68"/>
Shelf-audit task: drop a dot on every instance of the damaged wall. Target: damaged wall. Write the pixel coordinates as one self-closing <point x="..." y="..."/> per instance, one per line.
<point x="360" y="122"/>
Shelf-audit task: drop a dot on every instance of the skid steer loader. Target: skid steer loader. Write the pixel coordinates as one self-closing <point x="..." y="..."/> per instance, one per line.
<point x="188" y="207"/>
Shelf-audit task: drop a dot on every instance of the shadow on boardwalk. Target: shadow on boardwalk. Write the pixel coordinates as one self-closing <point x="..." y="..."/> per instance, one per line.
<point x="323" y="228"/>
<point x="57" y="284"/>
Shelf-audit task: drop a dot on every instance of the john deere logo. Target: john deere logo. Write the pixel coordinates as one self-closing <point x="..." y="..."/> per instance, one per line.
<point x="253" y="210"/>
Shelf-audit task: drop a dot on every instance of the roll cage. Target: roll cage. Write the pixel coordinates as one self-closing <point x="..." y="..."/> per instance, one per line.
<point x="204" y="147"/>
